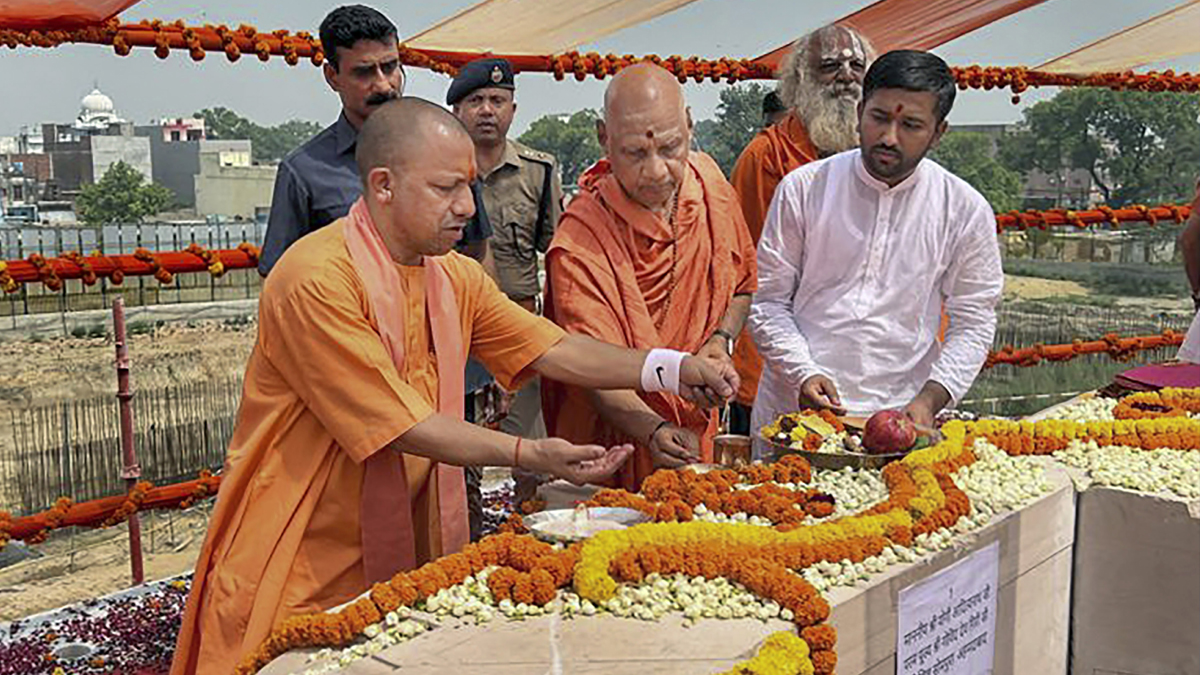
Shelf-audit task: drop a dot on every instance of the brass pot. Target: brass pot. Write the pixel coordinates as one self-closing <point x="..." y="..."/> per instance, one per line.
<point x="731" y="450"/>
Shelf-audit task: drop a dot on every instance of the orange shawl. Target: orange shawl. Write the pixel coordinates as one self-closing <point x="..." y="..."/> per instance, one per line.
<point x="388" y="534"/>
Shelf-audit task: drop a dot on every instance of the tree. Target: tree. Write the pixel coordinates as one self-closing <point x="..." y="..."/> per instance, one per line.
<point x="268" y="144"/>
<point x="121" y="196"/>
<point x="1139" y="147"/>
<point x="970" y="156"/>
<point x="571" y="140"/>
<point x="739" y="117"/>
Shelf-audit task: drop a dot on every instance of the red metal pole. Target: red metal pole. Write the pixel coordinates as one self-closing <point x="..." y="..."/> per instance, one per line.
<point x="132" y="471"/>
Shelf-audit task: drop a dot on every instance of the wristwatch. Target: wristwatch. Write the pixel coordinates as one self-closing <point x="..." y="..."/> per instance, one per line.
<point x="728" y="340"/>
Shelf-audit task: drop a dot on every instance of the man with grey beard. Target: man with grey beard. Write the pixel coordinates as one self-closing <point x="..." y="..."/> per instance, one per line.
<point x="820" y="83"/>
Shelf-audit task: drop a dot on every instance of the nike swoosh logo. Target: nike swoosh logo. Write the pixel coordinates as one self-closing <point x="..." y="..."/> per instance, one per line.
<point x="661" y="382"/>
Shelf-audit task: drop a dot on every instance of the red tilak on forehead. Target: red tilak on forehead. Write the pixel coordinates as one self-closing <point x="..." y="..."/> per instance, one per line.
<point x="899" y="108"/>
<point x="649" y="134"/>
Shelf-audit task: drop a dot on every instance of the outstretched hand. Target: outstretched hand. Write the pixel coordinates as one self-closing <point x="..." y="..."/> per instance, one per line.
<point x="579" y="464"/>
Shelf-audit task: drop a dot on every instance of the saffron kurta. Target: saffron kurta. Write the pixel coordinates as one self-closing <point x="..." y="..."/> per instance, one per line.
<point x="322" y="394"/>
<point x="772" y="154"/>
<point x="619" y="273"/>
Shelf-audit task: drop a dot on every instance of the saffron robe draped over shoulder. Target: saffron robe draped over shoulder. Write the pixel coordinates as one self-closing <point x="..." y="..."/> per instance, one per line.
<point x="621" y="274"/>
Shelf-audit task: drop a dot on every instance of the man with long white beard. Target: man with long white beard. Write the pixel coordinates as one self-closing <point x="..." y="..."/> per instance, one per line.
<point x="820" y="83"/>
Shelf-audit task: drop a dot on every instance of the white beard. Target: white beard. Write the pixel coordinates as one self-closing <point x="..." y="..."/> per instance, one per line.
<point x="831" y="122"/>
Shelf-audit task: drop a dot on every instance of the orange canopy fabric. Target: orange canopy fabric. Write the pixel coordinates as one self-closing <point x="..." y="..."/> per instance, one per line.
<point x="58" y="14"/>
<point x="1169" y="35"/>
<point x="918" y="24"/>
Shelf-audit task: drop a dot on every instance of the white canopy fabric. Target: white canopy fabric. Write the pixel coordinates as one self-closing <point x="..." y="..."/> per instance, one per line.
<point x="1169" y="35"/>
<point x="536" y="27"/>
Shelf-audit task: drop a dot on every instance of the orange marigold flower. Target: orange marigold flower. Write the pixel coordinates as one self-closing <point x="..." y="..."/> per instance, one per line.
<point x="824" y="661"/>
<point x="820" y="637"/>
<point x="522" y="590"/>
<point x="544" y="588"/>
<point x="385" y="597"/>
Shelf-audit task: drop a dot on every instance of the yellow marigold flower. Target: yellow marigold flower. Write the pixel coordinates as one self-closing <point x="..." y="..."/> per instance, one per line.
<point x="782" y="653"/>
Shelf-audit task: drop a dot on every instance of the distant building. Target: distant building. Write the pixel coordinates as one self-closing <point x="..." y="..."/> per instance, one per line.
<point x="21" y="178"/>
<point x="43" y="169"/>
<point x="227" y="184"/>
<point x="209" y="177"/>
<point x="183" y="129"/>
<point x="177" y="162"/>
<point x="1068" y="188"/>
<point x="82" y="151"/>
<point x="28" y="141"/>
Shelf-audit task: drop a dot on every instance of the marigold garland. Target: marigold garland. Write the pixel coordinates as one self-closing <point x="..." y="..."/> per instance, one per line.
<point x="45" y="272"/>
<point x="215" y="266"/>
<point x="132" y="503"/>
<point x="54" y="518"/>
<point x="164" y="37"/>
<point x="251" y="252"/>
<point x="105" y="512"/>
<point x="157" y="270"/>
<point x="5" y="526"/>
<point x="206" y="486"/>
<point x="922" y="498"/>
<point x="1120" y="349"/>
<point x="1045" y="219"/>
<point x="1169" y="402"/>
<point x="86" y="273"/>
<point x="1019" y="79"/>
<point x="670" y="496"/>
<point x="72" y="265"/>
<point x="760" y="558"/>
<point x="1049" y="436"/>
<point x="7" y="283"/>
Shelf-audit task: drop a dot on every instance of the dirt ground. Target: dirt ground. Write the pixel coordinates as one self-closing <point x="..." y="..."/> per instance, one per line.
<point x="1032" y="288"/>
<point x="63" y="368"/>
<point x="91" y="564"/>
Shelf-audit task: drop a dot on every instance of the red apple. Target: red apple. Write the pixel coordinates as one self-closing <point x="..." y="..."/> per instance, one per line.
<point x="889" y="432"/>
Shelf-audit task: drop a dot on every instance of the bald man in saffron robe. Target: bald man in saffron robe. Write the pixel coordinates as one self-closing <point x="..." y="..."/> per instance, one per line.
<point x="653" y="251"/>
<point x="345" y="466"/>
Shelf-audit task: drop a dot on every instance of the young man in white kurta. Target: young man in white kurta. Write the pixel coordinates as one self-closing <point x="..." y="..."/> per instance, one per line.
<point x="855" y="270"/>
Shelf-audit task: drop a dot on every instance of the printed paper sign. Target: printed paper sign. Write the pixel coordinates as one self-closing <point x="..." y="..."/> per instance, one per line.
<point x="948" y="621"/>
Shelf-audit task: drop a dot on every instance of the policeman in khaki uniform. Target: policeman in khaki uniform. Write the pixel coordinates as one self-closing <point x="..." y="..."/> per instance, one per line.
<point x="522" y="192"/>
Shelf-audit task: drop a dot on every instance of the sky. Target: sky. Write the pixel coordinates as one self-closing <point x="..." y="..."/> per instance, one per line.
<point x="46" y="85"/>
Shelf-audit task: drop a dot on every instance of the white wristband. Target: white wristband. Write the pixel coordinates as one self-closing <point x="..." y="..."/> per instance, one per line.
<point x="660" y="372"/>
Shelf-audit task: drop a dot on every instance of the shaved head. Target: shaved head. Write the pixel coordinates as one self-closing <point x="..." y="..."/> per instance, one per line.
<point x="417" y="163"/>
<point x="403" y="130"/>
<point x="640" y="88"/>
<point x="646" y="134"/>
